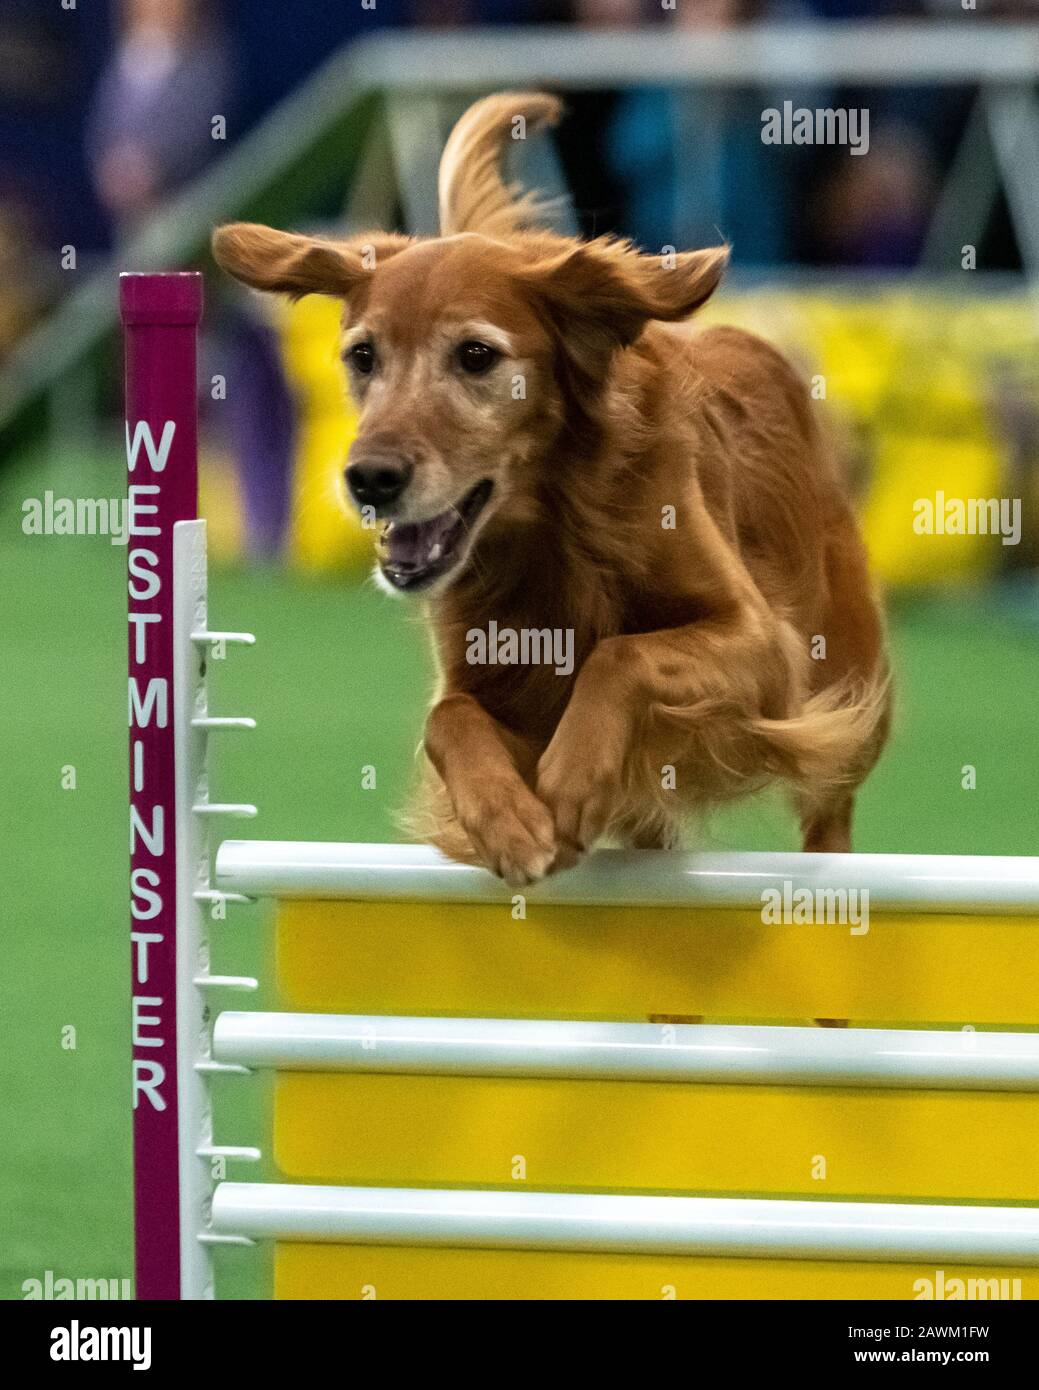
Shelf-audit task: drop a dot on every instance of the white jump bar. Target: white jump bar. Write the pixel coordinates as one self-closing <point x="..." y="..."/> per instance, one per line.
<point x="904" y="51"/>
<point x="885" y="1057"/>
<point x="718" y="1226"/>
<point x="408" y="873"/>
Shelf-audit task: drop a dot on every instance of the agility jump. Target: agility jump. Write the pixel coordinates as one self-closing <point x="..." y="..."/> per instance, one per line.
<point x="488" y="1096"/>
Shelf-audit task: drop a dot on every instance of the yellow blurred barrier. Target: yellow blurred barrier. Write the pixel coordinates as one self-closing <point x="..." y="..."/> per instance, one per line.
<point x="913" y="378"/>
<point x="325" y="533"/>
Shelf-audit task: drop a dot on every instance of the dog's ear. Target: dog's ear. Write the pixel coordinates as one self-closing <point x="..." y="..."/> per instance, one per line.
<point x="287" y="263"/>
<point x="607" y="289"/>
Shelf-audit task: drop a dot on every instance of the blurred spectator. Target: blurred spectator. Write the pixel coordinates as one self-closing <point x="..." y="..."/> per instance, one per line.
<point x="150" y="129"/>
<point x="692" y="160"/>
<point x="596" y="187"/>
<point x="150" y="132"/>
<point x="694" y="169"/>
<point x="868" y="9"/>
<point x="22" y="290"/>
<point x="874" y="211"/>
<point x="443" y="14"/>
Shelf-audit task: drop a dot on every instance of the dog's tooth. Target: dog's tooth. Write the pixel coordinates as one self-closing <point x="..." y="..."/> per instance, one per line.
<point x="436" y="552"/>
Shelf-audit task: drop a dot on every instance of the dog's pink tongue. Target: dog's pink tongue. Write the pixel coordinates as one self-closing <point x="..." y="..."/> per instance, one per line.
<point x="413" y="545"/>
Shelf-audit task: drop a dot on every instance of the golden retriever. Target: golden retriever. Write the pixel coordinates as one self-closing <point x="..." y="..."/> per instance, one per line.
<point x="563" y="466"/>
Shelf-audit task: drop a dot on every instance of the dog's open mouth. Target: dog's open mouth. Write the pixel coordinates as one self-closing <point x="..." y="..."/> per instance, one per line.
<point x="415" y="553"/>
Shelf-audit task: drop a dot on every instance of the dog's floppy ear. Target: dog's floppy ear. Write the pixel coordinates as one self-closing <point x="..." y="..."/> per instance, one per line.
<point x="287" y="263"/>
<point x="613" y="291"/>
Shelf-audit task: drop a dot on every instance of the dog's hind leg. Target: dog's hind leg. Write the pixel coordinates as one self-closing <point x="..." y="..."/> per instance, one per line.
<point x="826" y="825"/>
<point x="826" y="828"/>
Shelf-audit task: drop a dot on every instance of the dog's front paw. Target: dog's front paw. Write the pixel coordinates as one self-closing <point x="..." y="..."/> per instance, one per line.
<point x="582" y="789"/>
<point x="511" y="832"/>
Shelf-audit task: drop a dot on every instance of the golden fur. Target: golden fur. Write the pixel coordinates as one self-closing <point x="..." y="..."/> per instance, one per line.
<point x="663" y="494"/>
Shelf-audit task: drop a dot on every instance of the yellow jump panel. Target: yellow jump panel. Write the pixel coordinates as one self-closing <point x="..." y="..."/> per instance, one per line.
<point x="408" y="1131"/>
<point x="607" y="963"/>
<point x="390" y="1272"/>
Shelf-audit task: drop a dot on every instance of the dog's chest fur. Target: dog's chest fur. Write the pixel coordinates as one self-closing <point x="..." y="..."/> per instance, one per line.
<point x="577" y="605"/>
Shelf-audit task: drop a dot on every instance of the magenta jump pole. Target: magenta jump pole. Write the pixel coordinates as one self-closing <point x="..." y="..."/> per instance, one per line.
<point x="160" y="315"/>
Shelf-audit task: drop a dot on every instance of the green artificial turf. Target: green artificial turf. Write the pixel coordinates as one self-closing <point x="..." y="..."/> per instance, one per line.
<point x="337" y="682"/>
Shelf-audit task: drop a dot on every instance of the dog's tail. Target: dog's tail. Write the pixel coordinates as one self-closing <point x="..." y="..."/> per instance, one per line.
<point x="473" y="195"/>
<point x="832" y="740"/>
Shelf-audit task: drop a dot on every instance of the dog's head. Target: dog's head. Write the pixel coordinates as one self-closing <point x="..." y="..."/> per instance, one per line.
<point x="464" y="353"/>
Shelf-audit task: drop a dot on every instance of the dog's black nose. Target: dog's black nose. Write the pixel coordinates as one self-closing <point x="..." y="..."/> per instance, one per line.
<point x="376" y="482"/>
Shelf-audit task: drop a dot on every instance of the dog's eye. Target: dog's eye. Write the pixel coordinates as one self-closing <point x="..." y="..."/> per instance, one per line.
<point x="476" y="357"/>
<point x="362" y="357"/>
